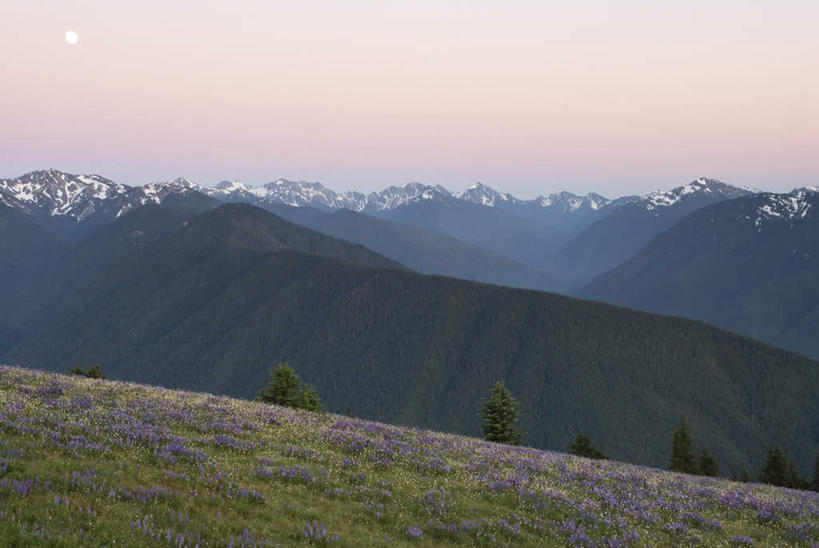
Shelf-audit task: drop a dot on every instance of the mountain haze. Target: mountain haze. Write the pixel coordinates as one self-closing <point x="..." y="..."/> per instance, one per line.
<point x="214" y="303"/>
<point x="630" y="225"/>
<point x="417" y="248"/>
<point x="749" y="264"/>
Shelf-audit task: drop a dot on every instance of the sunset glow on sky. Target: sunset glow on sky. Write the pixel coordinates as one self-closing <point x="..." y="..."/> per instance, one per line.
<point x="528" y="97"/>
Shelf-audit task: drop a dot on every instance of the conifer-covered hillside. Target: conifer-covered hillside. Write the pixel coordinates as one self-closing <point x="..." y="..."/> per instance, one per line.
<point x="213" y="304"/>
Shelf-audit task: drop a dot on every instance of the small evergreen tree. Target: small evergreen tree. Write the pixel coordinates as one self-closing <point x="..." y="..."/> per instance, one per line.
<point x="286" y="389"/>
<point x="774" y="470"/>
<point x="94" y="372"/>
<point x="780" y="470"/>
<point x="745" y="477"/>
<point x="583" y="447"/>
<point x="310" y="400"/>
<point x="682" y="459"/>
<point x="707" y="465"/>
<point x="500" y="413"/>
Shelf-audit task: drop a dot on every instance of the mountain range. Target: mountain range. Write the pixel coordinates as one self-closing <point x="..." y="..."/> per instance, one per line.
<point x="559" y="242"/>
<point x="191" y="293"/>
<point x="749" y="264"/>
<point x="569" y="239"/>
<point x="611" y="240"/>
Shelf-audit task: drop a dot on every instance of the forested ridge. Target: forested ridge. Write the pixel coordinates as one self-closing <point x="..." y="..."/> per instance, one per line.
<point x="218" y="300"/>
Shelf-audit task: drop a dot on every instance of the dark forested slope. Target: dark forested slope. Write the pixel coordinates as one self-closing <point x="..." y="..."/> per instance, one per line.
<point x="749" y="264"/>
<point x="418" y="248"/>
<point x="213" y="304"/>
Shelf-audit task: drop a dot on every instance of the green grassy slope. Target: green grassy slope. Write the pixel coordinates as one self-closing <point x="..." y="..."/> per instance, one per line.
<point x="91" y="462"/>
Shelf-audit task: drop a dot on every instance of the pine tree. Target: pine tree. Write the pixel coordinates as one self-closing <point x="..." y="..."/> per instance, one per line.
<point x="745" y="477"/>
<point x="682" y="459"/>
<point x="776" y="469"/>
<point x="310" y="400"/>
<point x="707" y="465"/>
<point x="94" y="372"/>
<point x="583" y="447"/>
<point x="500" y="413"/>
<point x="815" y="485"/>
<point x="792" y="477"/>
<point x="286" y="389"/>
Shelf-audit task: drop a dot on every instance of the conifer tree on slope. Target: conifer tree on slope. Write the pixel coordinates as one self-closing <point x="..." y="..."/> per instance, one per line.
<point x="707" y="465"/>
<point x="583" y="447"/>
<point x="500" y="413"/>
<point x="286" y="389"/>
<point x="780" y="470"/>
<point x="682" y="459"/>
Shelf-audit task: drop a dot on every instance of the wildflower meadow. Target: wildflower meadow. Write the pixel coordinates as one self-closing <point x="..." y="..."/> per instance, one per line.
<point x="93" y="462"/>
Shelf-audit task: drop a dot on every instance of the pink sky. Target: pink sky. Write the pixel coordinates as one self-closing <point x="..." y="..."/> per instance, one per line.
<point x="528" y="97"/>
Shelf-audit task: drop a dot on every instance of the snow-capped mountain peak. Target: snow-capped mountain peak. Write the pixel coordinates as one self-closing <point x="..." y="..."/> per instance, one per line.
<point x="231" y="186"/>
<point x="701" y="186"/>
<point x="566" y="202"/>
<point x="482" y="194"/>
<point x="408" y="193"/>
<point x="791" y="207"/>
<point x="58" y="193"/>
<point x="299" y="193"/>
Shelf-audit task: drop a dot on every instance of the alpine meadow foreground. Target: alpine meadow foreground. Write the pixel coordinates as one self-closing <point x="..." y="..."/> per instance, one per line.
<point x="95" y="462"/>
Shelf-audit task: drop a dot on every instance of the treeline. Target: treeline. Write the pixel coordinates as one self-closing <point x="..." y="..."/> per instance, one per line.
<point x="778" y="468"/>
<point x="500" y="413"/>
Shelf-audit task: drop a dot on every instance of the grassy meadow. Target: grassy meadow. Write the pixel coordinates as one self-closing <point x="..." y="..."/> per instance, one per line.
<point x="95" y="462"/>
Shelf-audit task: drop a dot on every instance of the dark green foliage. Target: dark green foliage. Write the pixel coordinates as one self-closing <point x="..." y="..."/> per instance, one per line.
<point x="682" y="458"/>
<point x="93" y="372"/>
<point x="500" y="414"/>
<point x="583" y="447"/>
<point x="716" y="265"/>
<point x="286" y="389"/>
<point x="745" y="477"/>
<point x="780" y="470"/>
<point x="202" y="308"/>
<point x="310" y="399"/>
<point x="815" y="484"/>
<point x="707" y="465"/>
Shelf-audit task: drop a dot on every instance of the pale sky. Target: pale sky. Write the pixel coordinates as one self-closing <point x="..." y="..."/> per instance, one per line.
<point x="529" y="97"/>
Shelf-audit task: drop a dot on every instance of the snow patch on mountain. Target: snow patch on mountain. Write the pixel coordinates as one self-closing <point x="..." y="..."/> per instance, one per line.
<point x="409" y="193"/>
<point x="481" y="194"/>
<point x="58" y="193"/>
<point x="700" y="186"/>
<point x="791" y="207"/>
<point x="566" y="202"/>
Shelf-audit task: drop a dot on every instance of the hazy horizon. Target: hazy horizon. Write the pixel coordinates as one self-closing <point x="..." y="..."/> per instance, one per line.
<point x="529" y="99"/>
<point x="377" y="189"/>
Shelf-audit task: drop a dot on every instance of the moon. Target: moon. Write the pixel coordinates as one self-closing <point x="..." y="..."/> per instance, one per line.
<point x="71" y="37"/>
